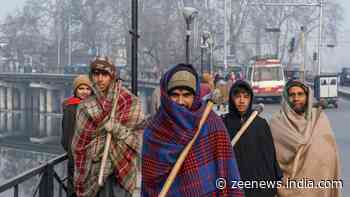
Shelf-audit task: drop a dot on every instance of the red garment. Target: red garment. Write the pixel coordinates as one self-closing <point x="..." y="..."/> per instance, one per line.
<point x="166" y="135"/>
<point x="72" y="101"/>
<point x="204" y="90"/>
<point x="90" y="136"/>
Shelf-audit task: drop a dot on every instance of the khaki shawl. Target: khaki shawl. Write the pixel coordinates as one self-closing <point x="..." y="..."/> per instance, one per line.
<point x="305" y="149"/>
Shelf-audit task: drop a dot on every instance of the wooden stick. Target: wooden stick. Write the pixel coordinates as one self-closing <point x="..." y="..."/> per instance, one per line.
<point x="185" y="152"/>
<point x="104" y="159"/>
<point x="108" y="127"/>
<point x="246" y="125"/>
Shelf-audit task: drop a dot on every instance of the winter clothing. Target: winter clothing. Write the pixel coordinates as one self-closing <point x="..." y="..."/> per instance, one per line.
<point x="89" y="141"/>
<point x="103" y="64"/>
<point x="166" y="135"/>
<point x="69" y="107"/>
<point x="204" y="89"/>
<point x="206" y="85"/>
<point x="155" y="101"/>
<point x="255" y="151"/>
<point x="207" y="78"/>
<point x="182" y="79"/>
<point x="305" y="147"/>
<point x="68" y="123"/>
<point x="81" y="80"/>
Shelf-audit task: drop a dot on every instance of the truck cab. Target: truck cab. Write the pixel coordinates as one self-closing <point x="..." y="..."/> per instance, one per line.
<point x="267" y="78"/>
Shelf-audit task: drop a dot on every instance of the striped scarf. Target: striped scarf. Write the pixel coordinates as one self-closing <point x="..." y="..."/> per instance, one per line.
<point x="90" y="135"/>
<point x="165" y="136"/>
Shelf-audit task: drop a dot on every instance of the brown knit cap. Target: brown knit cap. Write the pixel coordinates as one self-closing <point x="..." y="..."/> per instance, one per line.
<point x="103" y="64"/>
<point x="81" y="80"/>
<point x="182" y="78"/>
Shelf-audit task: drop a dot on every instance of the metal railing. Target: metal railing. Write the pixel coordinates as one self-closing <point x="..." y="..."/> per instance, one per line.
<point x="45" y="186"/>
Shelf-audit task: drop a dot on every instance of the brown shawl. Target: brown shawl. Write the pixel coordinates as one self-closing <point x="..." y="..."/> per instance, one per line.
<point x="306" y="149"/>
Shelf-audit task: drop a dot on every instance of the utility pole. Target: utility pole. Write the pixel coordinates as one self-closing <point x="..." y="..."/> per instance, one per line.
<point x="320" y="37"/>
<point x="69" y="38"/>
<point x="225" y="37"/>
<point x="188" y="33"/>
<point x="204" y="45"/>
<point x="189" y="14"/>
<point x="59" y="47"/>
<point x="302" y="66"/>
<point x="58" y="25"/>
<point x="134" y="42"/>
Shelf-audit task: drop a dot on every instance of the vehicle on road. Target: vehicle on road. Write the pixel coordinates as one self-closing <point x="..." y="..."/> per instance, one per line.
<point x="266" y="76"/>
<point x="326" y="90"/>
<point x="345" y="76"/>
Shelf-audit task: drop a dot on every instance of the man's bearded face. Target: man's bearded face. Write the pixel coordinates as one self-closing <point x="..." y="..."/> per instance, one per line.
<point x="298" y="98"/>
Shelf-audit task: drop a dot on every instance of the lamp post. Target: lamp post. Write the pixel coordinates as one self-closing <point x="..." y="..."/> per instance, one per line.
<point x="189" y="14"/>
<point x="320" y="37"/>
<point x="303" y="47"/>
<point x="134" y="45"/>
<point x="205" y="36"/>
<point x="210" y="42"/>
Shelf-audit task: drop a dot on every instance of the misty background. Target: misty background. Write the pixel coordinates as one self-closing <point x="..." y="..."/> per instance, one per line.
<point x="60" y="32"/>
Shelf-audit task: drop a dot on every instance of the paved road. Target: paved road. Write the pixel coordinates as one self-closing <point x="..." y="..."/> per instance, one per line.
<point x="10" y="164"/>
<point x="339" y="119"/>
<point x="345" y="88"/>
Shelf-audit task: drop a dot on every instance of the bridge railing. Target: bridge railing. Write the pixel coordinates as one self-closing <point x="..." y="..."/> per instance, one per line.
<point x="45" y="186"/>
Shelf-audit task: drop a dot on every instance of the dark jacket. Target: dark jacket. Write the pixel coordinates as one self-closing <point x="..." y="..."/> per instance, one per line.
<point x="255" y="151"/>
<point x="68" y="125"/>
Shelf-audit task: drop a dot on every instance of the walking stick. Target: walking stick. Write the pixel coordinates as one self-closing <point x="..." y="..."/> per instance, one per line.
<point x="185" y="152"/>
<point x="109" y="127"/>
<point x="257" y="110"/>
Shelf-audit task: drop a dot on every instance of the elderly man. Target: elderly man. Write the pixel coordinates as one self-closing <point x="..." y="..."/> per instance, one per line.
<point x="305" y="145"/>
<point x="90" y="135"/>
<point x="171" y="129"/>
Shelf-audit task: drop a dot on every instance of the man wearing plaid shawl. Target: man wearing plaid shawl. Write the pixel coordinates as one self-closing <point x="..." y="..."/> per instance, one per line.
<point x="171" y="128"/>
<point x="90" y="136"/>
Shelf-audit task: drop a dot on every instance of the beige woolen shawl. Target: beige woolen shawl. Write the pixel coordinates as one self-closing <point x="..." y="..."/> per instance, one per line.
<point x="305" y="149"/>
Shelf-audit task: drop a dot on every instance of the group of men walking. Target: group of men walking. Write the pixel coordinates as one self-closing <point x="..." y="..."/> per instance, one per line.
<point x="291" y="147"/>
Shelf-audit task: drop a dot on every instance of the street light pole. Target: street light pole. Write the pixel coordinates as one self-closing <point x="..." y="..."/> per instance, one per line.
<point x="189" y="14"/>
<point x="134" y="34"/>
<point x="320" y="38"/>
<point x="225" y="37"/>
<point x="204" y="45"/>
<point x="69" y="39"/>
<point x="202" y="61"/>
<point x="302" y="66"/>
<point x="210" y="45"/>
<point x="188" y="33"/>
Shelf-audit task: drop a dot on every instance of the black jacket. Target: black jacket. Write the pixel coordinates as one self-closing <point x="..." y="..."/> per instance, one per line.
<point x="68" y="125"/>
<point x="255" y="151"/>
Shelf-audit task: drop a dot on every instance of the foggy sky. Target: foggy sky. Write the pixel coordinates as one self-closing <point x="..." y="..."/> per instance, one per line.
<point x="332" y="59"/>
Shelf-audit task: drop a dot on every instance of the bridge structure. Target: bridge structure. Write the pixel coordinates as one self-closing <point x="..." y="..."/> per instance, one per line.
<point x="30" y="103"/>
<point x="30" y="119"/>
